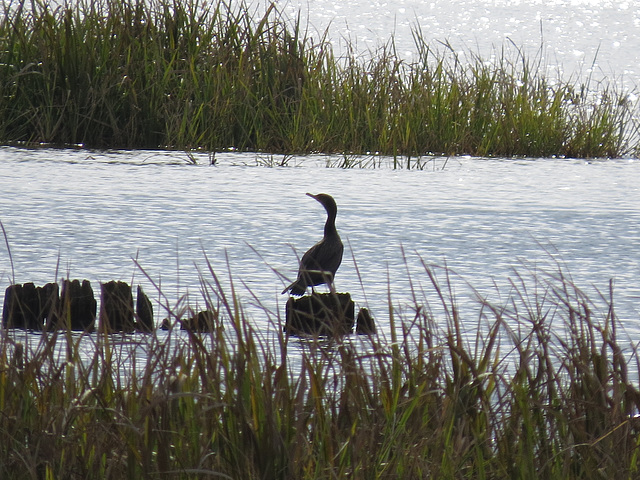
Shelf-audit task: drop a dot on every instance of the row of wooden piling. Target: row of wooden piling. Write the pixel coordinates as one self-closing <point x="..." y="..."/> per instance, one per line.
<point x="45" y="308"/>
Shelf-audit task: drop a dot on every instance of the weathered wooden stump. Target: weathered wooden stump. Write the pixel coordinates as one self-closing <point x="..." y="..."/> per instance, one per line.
<point x="50" y="303"/>
<point x="144" y="312"/>
<point x="204" y="321"/>
<point x="29" y="307"/>
<point x="78" y="306"/>
<point x="329" y="314"/>
<point x="116" y="307"/>
<point x="365" y="325"/>
<point x="22" y="307"/>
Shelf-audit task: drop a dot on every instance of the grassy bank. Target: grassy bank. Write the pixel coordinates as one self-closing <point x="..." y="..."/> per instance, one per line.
<point x="544" y="392"/>
<point x="191" y="75"/>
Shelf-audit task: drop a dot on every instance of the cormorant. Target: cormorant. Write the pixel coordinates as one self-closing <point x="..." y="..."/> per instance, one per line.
<point x="318" y="266"/>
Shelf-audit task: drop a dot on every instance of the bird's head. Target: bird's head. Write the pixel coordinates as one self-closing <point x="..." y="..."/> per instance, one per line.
<point x="326" y="200"/>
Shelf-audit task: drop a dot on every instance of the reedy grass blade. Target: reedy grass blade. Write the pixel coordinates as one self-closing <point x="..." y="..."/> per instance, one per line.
<point x="216" y="76"/>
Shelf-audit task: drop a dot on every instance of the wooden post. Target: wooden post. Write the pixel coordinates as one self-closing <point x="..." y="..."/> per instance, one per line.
<point x="203" y="321"/>
<point x="116" y="307"/>
<point x="329" y="314"/>
<point x="365" y="325"/>
<point x="144" y="312"/>
<point x="49" y="304"/>
<point x="77" y="307"/>
<point x="22" y="307"/>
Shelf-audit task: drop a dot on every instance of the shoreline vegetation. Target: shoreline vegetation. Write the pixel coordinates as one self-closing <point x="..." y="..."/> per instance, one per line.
<point x="542" y="387"/>
<point x="191" y="75"/>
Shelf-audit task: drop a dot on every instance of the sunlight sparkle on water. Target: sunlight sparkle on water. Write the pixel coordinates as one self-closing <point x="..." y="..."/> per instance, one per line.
<point x="559" y="27"/>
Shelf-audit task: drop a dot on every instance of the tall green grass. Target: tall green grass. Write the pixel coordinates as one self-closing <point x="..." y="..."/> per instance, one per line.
<point x="542" y="389"/>
<point x="188" y="74"/>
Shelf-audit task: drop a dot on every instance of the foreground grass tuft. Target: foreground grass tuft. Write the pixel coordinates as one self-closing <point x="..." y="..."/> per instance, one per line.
<point x="186" y="74"/>
<point x="541" y="388"/>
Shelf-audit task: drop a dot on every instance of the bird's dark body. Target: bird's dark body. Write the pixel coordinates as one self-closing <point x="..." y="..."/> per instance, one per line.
<point x="320" y="263"/>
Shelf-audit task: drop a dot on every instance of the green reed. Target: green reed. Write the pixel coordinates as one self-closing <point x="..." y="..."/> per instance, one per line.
<point x="188" y="74"/>
<point x="542" y="389"/>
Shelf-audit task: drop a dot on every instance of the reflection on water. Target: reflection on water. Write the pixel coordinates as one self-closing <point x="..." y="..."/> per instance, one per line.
<point x="82" y="214"/>
<point x="570" y="37"/>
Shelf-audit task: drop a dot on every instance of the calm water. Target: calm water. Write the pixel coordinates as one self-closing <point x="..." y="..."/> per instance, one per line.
<point x="88" y="214"/>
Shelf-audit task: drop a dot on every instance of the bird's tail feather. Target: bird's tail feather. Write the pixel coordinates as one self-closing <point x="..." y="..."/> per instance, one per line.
<point x="295" y="289"/>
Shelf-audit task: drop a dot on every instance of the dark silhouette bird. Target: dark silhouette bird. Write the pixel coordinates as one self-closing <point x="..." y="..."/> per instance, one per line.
<point x="318" y="266"/>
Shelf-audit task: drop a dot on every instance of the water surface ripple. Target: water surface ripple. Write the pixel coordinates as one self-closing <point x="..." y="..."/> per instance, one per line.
<point x="88" y="214"/>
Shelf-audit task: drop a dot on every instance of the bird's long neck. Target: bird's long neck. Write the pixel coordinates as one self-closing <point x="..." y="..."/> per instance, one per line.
<point x="330" y="225"/>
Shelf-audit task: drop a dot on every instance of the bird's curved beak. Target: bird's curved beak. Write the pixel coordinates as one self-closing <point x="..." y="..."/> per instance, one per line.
<point x="315" y="197"/>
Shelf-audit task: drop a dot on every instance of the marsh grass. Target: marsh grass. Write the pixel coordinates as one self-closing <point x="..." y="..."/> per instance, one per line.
<point x="542" y="389"/>
<point x="188" y="74"/>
